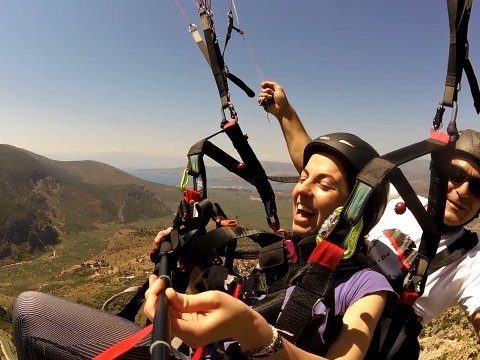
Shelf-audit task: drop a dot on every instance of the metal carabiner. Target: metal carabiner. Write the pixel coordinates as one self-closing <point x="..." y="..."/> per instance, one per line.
<point x="452" y="125"/>
<point x="437" y="120"/>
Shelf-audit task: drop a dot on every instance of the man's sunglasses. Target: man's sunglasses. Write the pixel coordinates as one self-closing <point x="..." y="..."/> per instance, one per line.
<point x="458" y="176"/>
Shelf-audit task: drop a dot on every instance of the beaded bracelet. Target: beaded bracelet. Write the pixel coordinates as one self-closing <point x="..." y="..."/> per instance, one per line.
<point x="272" y="348"/>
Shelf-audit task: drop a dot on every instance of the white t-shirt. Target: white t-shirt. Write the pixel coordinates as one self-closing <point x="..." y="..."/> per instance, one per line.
<point x="455" y="284"/>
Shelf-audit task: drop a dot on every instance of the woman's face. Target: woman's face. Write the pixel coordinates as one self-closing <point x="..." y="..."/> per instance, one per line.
<point x="321" y="189"/>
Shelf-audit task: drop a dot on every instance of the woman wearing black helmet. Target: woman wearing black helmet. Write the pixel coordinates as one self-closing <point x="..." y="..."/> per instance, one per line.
<point x="454" y="283"/>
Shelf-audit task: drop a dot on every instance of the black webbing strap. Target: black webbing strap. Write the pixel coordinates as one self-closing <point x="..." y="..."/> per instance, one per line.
<point x="431" y="220"/>
<point x="437" y="196"/>
<point x="250" y="170"/>
<point x="472" y="80"/>
<point x="205" y="147"/>
<point x="413" y="151"/>
<point x="454" y="251"/>
<point x="131" y="308"/>
<point x="459" y="16"/>
<point x="297" y="318"/>
<point x="203" y="48"/>
<point x="218" y="238"/>
<point x="413" y="203"/>
<point x="215" y="56"/>
<point x="250" y="160"/>
<point x="380" y="170"/>
<point x="314" y="284"/>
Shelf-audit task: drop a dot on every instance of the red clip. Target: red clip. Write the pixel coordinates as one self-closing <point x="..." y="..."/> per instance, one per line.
<point x="225" y="222"/>
<point x="440" y="136"/>
<point x="232" y="122"/>
<point x="408" y="297"/>
<point x="291" y="252"/>
<point x="237" y="291"/>
<point x="192" y="195"/>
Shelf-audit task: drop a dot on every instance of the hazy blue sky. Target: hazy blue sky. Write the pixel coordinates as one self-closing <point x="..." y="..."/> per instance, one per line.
<point x="121" y="81"/>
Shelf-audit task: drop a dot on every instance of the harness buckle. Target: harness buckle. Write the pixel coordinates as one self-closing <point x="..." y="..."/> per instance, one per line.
<point x="291" y="252"/>
<point x="225" y="222"/>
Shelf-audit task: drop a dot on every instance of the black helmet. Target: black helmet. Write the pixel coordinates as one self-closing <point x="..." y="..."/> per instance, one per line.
<point x="355" y="153"/>
<point x="350" y="149"/>
<point x="468" y="146"/>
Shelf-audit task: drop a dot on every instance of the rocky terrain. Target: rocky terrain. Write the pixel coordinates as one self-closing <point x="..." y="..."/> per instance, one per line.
<point x="449" y="337"/>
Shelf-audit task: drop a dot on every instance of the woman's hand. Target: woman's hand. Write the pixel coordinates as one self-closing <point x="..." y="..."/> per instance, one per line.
<point x="161" y="236"/>
<point x="208" y="317"/>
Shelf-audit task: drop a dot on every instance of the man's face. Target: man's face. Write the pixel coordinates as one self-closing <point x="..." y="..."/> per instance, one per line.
<point x="463" y="197"/>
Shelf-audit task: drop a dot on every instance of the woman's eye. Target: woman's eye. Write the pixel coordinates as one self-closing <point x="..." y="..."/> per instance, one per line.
<point x="325" y="185"/>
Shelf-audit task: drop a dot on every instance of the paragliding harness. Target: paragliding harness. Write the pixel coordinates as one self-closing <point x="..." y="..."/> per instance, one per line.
<point x="311" y="264"/>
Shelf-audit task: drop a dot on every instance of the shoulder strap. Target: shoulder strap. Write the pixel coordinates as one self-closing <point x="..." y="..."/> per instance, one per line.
<point x="314" y="284"/>
<point x="454" y="252"/>
<point x="391" y="327"/>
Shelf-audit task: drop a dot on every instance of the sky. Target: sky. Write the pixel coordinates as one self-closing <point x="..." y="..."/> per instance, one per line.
<point x="122" y="81"/>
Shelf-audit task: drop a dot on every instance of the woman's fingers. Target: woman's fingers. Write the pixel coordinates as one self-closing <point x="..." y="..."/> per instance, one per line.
<point x="202" y="302"/>
<point x="156" y="286"/>
<point x="161" y="236"/>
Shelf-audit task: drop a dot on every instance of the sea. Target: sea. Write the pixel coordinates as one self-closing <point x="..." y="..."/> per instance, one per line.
<point x="222" y="182"/>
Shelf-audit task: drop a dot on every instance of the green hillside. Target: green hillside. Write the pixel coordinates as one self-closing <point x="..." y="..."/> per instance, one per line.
<point x="42" y="199"/>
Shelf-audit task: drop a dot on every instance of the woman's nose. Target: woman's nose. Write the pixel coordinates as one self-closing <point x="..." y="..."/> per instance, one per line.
<point x="304" y="187"/>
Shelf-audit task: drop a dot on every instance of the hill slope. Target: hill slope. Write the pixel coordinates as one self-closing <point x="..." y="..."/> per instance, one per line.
<point x="41" y="198"/>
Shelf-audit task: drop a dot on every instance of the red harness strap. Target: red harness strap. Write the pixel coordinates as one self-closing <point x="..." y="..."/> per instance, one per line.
<point x="326" y="254"/>
<point x="408" y="297"/>
<point x="398" y="250"/>
<point x="123" y="346"/>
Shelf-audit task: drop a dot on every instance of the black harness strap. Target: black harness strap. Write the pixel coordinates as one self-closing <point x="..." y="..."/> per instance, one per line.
<point x="459" y="16"/>
<point x="203" y="48"/>
<point x="472" y="80"/>
<point x="214" y="56"/>
<point x="250" y="170"/>
<point x="405" y="317"/>
<point x="217" y="239"/>
<point x="314" y="284"/>
<point x="454" y="252"/>
<point x="263" y="186"/>
<point x="380" y="170"/>
<point x="437" y="196"/>
<point x="251" y="164"/>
